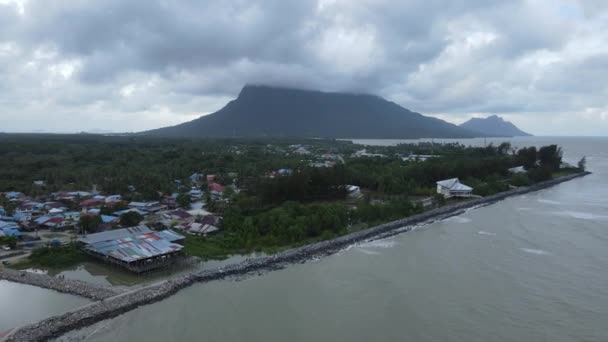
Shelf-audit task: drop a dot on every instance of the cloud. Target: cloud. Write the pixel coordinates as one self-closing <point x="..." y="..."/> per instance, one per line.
<point x="133" y="65"/>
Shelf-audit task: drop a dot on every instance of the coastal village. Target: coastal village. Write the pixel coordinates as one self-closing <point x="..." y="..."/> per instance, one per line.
<point x="139" y="235"/>
<point x="144" y="235"/>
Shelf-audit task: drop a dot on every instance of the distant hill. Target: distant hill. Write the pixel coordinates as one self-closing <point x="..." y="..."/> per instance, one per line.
<point x="494" y="126"/>
<point x="262" y="111"/>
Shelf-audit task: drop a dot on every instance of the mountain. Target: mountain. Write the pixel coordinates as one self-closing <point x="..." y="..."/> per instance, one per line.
<point x="494" y="126"/>
<point x="263" y="111"/>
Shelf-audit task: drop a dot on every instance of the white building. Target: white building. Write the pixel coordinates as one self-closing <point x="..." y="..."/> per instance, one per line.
<point x="517" y="169"/>
<point x="453" y="188"/>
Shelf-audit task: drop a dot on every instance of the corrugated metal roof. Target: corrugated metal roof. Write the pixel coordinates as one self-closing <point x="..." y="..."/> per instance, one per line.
<point x="114" y="234"/>
<point x="131" y="244"/>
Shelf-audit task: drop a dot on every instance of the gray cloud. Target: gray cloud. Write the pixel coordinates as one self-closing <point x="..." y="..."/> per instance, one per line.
<point x="132" y="65"/>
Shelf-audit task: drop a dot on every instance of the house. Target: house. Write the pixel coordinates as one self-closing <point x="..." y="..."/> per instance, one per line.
<point x="517" y="169"/>
<point x="25" y="207"/>
<point x="39" y="183"/>
<point x="202" y="229"/>
<point x="137" y="249"/>
<point x="197" y="177"/>
<point x="8" y="225"/>
<point x="284" y="171"/>
<point x="364" y="153"/>
<point x="418" y="157"/>
<point x="353" y="191"/>
<point x="301" y="150"/>
<point x="22" y="217"/>
<point x="179" y="215"/>
<point x="42" y="220"/>
<point x="113" y="198"/>
<point x="56" y="223"/>
<point x="216" y="187"/>
<point x="210" y="178"/>
<point x="56" y="211"/>
<point x="92" y="203"/>
<point x="109" y="219"/>
<point x="213" y="220"/>
<point x="196" y="193"/>
<point x="453" y="188"/>
<point x="150" y="207"/>
<point x="122" y="212"/>
<point x="80" y="193"/>
<point x="14" y="194"/>
<point x="11" y="231"/>
<point x="72" y="215"/>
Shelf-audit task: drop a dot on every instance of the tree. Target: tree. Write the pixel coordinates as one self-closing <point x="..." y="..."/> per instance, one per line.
<point x="539" y="174"/>
<point x="183" y="200"/>
<point x="550" y="156"/>
<point x="130" y="219"/>
<point x="527" y="157"/>
<point x="582" y="164"/>
<point x="10" y="241"/>
<point x="89" y="223"/>
<point x="9" y="207"/>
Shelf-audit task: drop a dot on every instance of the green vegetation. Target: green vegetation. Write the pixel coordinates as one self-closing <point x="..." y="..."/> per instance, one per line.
<point x="263" y="209"/>
<point x="9" y="241"/>
<point x="54" y="256"/>
<point x="582" y="164"/>
<point x="89" y="223"/>
<point x="130" y="219"/>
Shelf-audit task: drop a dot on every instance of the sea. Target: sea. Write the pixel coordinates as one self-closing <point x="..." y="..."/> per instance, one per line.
<point x="529" y="268"/>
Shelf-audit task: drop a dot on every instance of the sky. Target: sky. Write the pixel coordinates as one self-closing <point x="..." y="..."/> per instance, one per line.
<point x="122" y="66"/>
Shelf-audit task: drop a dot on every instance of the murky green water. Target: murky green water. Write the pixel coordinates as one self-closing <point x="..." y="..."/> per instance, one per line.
<point x="21" y="304"/>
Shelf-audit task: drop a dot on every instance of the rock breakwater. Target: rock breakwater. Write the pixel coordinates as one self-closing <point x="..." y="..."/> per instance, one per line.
<point x="71" y="286"/>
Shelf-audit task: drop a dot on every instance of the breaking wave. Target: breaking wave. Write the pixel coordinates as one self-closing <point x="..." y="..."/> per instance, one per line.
<point x="535" y="251"/>
<point x="481" y="232"/>
<point x="548" y="201"/>
<point x="580" y="215"/>
<point x="458" y="219"/>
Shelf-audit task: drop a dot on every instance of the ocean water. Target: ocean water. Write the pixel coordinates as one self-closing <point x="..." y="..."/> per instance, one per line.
<point x="530" y="268"/>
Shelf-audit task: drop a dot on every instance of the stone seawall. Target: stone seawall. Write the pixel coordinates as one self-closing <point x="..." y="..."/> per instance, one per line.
<point x="114" y="306"/>
<point x="75" y="287"/>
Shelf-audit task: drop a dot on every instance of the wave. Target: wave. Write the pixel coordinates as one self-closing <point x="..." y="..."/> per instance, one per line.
<point x="385" y="243"/>
<point x="581" y="215"/>
<point x="368" y="252"/>
<point x="548" y="201"/>
<point x="535" y="251"/>
<point x="458" y="219"/>
<point x="481" y="232"/>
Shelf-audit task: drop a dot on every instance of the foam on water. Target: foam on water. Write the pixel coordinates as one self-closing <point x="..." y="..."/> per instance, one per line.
<point x="368" y="252"/>
<point x="385" y="243"/>
<point x="481" y="232"/>
<point x="458" y="219"/>
<point x="522" y="209"/>
<point x="581" y="215"/>
<point x="548" y="201"/>
<point x="535" y="251"/>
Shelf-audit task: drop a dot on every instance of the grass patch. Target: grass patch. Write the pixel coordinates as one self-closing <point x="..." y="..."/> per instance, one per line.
<point x="54" y="235"/>
<point x="53" y="257"/>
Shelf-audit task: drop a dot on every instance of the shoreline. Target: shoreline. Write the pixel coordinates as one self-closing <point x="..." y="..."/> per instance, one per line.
<point x="113" y="306"/>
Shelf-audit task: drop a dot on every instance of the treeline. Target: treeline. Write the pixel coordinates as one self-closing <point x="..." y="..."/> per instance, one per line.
<point x="295" y="223"/>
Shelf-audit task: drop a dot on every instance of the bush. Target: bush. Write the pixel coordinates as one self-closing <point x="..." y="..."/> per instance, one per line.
<point x="540" y="174"/>
<point x="520" y="179"/>
<point x="57" y="256"/>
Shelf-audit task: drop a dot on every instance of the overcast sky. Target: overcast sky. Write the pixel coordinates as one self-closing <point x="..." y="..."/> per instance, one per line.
<point x="121" y="65"/>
